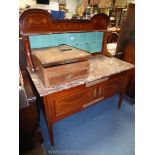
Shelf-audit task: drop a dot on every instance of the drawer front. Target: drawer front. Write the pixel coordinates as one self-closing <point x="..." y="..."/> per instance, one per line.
<point x="68" y="103"/>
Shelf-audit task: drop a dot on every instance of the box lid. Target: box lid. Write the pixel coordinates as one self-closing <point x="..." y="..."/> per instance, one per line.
<point x="59" y="55"/>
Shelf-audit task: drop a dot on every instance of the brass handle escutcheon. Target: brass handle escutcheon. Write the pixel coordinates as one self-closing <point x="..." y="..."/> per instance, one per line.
<point x="95" y="93"/>
<point x="100" y="90"/>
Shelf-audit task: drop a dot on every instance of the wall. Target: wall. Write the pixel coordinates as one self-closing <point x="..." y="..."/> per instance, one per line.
<point x="71" y="5"/>
<point x="23" y="3"/>
<point x="33" y="4"/>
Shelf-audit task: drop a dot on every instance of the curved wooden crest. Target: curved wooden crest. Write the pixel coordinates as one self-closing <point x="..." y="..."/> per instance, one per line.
<point x="38" y="21"/>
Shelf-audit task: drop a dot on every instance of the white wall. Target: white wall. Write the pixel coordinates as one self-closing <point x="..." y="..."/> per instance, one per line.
<point x="23" y="3"/>
<point x="33" y="4"/>
<point x="71" y="5"/>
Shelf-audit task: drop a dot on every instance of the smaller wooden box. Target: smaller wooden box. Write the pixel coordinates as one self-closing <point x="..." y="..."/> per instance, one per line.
<point x="61" y="64"/>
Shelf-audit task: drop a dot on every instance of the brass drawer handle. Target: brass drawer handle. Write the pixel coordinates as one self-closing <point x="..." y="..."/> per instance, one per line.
<point x="100" y="90"/>
<point x="95" y="93"/>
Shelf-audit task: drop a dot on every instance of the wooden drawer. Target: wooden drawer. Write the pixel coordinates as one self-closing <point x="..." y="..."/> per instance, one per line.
<point x="68" y="103"/>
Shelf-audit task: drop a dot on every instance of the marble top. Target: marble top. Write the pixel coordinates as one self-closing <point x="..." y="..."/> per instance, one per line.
<point x="100" y="67"/>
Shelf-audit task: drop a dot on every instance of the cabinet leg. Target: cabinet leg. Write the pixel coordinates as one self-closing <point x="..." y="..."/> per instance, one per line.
<point x="50" y="131"/>
<point x="120" y="100"/>
<point x="122" y="93"/>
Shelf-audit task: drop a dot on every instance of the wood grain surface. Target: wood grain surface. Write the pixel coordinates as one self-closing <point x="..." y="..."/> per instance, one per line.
<point x="55" y="56"/>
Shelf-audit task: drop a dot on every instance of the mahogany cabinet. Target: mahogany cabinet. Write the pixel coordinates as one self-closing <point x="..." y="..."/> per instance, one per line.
<point x="66" y="102"/>
<point x="107" y="76"/>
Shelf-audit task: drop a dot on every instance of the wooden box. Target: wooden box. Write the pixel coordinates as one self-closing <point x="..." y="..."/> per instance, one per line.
<point x="60" y="64"/>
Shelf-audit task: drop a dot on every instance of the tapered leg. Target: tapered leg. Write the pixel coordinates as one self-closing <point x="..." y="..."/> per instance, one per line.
<point x="49" y="116"/>
<point x="122" y="93"/>
<point x="120" y="100"/>
<point x="50" y="131"/>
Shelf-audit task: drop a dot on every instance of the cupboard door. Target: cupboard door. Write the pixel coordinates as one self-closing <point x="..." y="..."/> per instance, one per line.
<point x="112" y="86"/>
<point x="68" y="103"/>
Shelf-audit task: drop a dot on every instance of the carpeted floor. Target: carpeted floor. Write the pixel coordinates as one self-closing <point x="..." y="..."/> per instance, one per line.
<point x="101" y="129"/>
